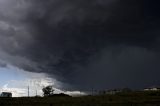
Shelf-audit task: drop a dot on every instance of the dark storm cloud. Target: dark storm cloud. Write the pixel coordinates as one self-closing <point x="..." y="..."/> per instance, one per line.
<point x="75" y="29"/>
<point x="89" y="43"/>
<point x="15" y="35"/>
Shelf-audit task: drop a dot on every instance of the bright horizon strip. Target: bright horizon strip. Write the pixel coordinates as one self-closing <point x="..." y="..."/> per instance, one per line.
<point x="16" y="81"/>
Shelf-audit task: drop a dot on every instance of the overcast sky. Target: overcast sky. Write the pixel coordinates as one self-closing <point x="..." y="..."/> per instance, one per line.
<point x="99" y="44"/>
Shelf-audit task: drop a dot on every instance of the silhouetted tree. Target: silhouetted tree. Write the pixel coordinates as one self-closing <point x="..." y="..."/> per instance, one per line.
<point x="48" y="91"/>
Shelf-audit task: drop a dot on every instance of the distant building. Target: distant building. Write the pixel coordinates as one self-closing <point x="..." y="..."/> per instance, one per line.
<point x="110" y="92"/>
<point x="152" y="89"/>
<point x="6" y="94"/>
<point x="114" y="91"/>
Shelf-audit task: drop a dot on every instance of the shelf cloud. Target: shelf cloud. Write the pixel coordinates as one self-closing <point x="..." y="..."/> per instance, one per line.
<point x="98" y="43"/>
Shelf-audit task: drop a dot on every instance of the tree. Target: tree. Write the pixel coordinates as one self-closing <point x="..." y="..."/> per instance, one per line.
<point x="48" y="91"/>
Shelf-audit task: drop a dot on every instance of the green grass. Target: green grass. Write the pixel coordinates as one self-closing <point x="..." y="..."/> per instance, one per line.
<point x="121" y="99"/>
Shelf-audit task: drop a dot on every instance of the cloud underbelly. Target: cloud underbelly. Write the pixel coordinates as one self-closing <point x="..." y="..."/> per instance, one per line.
<point x="80" y="41"/>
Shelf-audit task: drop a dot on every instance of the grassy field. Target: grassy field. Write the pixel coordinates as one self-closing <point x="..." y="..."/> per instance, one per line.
<point x="121" y="99"/>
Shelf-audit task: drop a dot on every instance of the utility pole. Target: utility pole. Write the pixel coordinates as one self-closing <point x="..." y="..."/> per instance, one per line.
<point x="36" y="92"/>
<point x="92" y="91"/>
<point x="28" y="90"/>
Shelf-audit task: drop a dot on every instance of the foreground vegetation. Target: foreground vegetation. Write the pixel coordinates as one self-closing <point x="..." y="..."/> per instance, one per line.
<point x="120" y="99"/>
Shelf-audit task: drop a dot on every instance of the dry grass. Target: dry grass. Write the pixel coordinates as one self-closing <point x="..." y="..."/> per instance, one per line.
<point x="122" y="99"/>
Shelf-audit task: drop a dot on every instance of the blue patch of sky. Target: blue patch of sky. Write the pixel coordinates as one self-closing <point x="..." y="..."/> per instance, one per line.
<point x="8" y="74"/>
